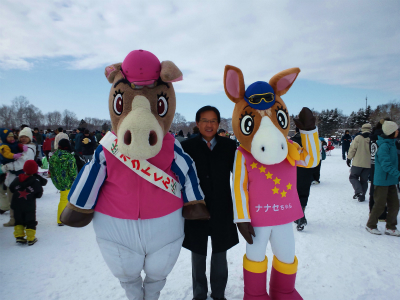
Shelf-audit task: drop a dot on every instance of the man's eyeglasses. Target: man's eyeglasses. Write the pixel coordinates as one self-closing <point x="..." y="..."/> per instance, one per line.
<point x="212" y="122"/>
<point x="257" y="98"/>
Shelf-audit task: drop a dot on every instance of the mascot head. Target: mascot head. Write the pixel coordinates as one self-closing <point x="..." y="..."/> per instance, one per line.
<point x="142" y="102"/>
<point x="260" y="119"/>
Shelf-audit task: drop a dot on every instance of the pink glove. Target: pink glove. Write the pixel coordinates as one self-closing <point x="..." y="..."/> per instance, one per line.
<point x="24" y="148"/>
<point x="18" y="155"/>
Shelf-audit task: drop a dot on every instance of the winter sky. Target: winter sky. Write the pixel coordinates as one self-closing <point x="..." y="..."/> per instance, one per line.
<point x="55" y="52"/>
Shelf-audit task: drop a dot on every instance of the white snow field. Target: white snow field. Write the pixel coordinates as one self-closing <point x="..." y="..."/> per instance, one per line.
<point x="338" y="258"/>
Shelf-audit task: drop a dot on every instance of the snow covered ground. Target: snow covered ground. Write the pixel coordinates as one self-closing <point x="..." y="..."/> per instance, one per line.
<point x="338" y="258"/>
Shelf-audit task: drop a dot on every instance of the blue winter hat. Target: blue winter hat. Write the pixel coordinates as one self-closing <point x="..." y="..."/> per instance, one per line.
<point x="260" y="95"/>
<point x="4" y="132"/>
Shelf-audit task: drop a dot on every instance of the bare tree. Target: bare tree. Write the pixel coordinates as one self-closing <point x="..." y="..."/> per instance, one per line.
<point x="69" y="119"/>
<point x="53" y="119"/>
<point x="226" y="124"/>
<point x="6" y="116"/>
<point x="33" y="116"/>
<point x="177" y="122"/>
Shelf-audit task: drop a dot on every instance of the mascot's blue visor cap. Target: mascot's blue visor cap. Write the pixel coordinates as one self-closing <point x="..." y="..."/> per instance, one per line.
<point x="260" y="95"/>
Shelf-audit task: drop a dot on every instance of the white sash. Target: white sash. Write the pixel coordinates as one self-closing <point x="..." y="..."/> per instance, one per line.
<point x="142" y="167"/>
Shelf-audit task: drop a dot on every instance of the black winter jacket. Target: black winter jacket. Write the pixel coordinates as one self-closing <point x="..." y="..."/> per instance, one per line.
<point x="26" y="192"/>
<point x="88" y="149"/>
<point x="346" y="141"/>
<point x="214" y="171"/>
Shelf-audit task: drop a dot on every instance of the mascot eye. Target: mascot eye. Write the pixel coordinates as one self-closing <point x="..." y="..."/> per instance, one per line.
<point x="118" y="103"/>
<point x="282" y="117"/>
<point x="162" y="105"/>
<point x="247" y="124"/>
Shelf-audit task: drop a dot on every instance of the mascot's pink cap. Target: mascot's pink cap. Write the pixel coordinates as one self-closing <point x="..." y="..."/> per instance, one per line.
<point x="141" y="67"/>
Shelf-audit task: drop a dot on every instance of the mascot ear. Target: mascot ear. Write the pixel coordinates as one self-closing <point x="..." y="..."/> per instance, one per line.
<point x="170" y="72"/>
<point x="234" y="83"/>
<point x="111" y="71"/>
<point x="282" y="81"/>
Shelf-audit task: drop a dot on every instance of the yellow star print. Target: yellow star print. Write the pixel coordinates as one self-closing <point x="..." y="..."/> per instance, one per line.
<point x="269" y="175"/>
<point x="262" y="169"/>
<point x="253" y="165"/>
<point x="275" y="190"/>
<point x="277" y="180"/>
<point x="283" y="194"/>
<point x="289" y="186"/>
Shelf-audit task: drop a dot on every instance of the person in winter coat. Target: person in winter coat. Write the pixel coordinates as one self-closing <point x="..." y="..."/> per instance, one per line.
<point x="346" y="140"/>
<point x="39" y="140"/>
<point x="214" y="157"/>
<point x="63" y="173"/>
<point x="317" y="169"/>
<point x="377" y="131"/>
<point x="180" y="137"/>
<point x="98" y="136"/>
<point x="88" y="145"/>
<point x="60" y="135"/>
<point x="47" y="145"/>
<point x="304" y="180"/>
<point x="78" y="140"/>
<point x="360" y="153"/>
<point x="26" y="188"/>
<point x="386" y="178"/>
<point x="79" y="160"/>
<point x="12" y="168"/>
<point x="10" y="150"/>
<point x="4" y="203"/>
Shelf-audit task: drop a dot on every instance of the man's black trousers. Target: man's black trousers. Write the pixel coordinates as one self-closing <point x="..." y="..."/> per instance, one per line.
<point x="304" y="179"/>
<point x="218" y="275"/>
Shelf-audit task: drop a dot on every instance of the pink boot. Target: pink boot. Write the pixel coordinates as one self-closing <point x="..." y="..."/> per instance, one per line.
<point x="283" y="278"/>
<point x="255" y="279"/>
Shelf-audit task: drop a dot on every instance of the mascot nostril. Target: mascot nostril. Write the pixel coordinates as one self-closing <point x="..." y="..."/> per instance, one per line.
<point x="282" y="146"/>
<point x="152" y="138"/>
<point x="127" y="137"/>
<point x="262" y="149"/>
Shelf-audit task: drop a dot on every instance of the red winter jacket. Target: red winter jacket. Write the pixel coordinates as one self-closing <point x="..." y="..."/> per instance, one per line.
<point x="47" y="144"/>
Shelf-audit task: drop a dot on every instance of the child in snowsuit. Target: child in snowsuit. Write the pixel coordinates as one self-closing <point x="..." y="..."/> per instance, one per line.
<point x="26" y="188"/>
<point x="385" y="179"/>
<point x="10" y="150"/>
<point x="63" y="173"/>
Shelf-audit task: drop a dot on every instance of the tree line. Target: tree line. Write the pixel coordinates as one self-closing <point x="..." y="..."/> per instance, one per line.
<point x="22" y="112"/>
<point x="334" y="122"/>
<point x="331" y="122"/>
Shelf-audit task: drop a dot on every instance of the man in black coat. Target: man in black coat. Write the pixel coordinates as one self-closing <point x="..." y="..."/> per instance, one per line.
<point x="346" y="140"/>
<point x="214" y="157"/>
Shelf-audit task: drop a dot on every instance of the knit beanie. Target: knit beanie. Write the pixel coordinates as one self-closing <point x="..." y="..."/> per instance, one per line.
<point x="30" y="167"/>
<point x="389" y="127"/>
<point x="64" y="144"/>
<point x="26" y="132"/>
<point x="366" y="127"/>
